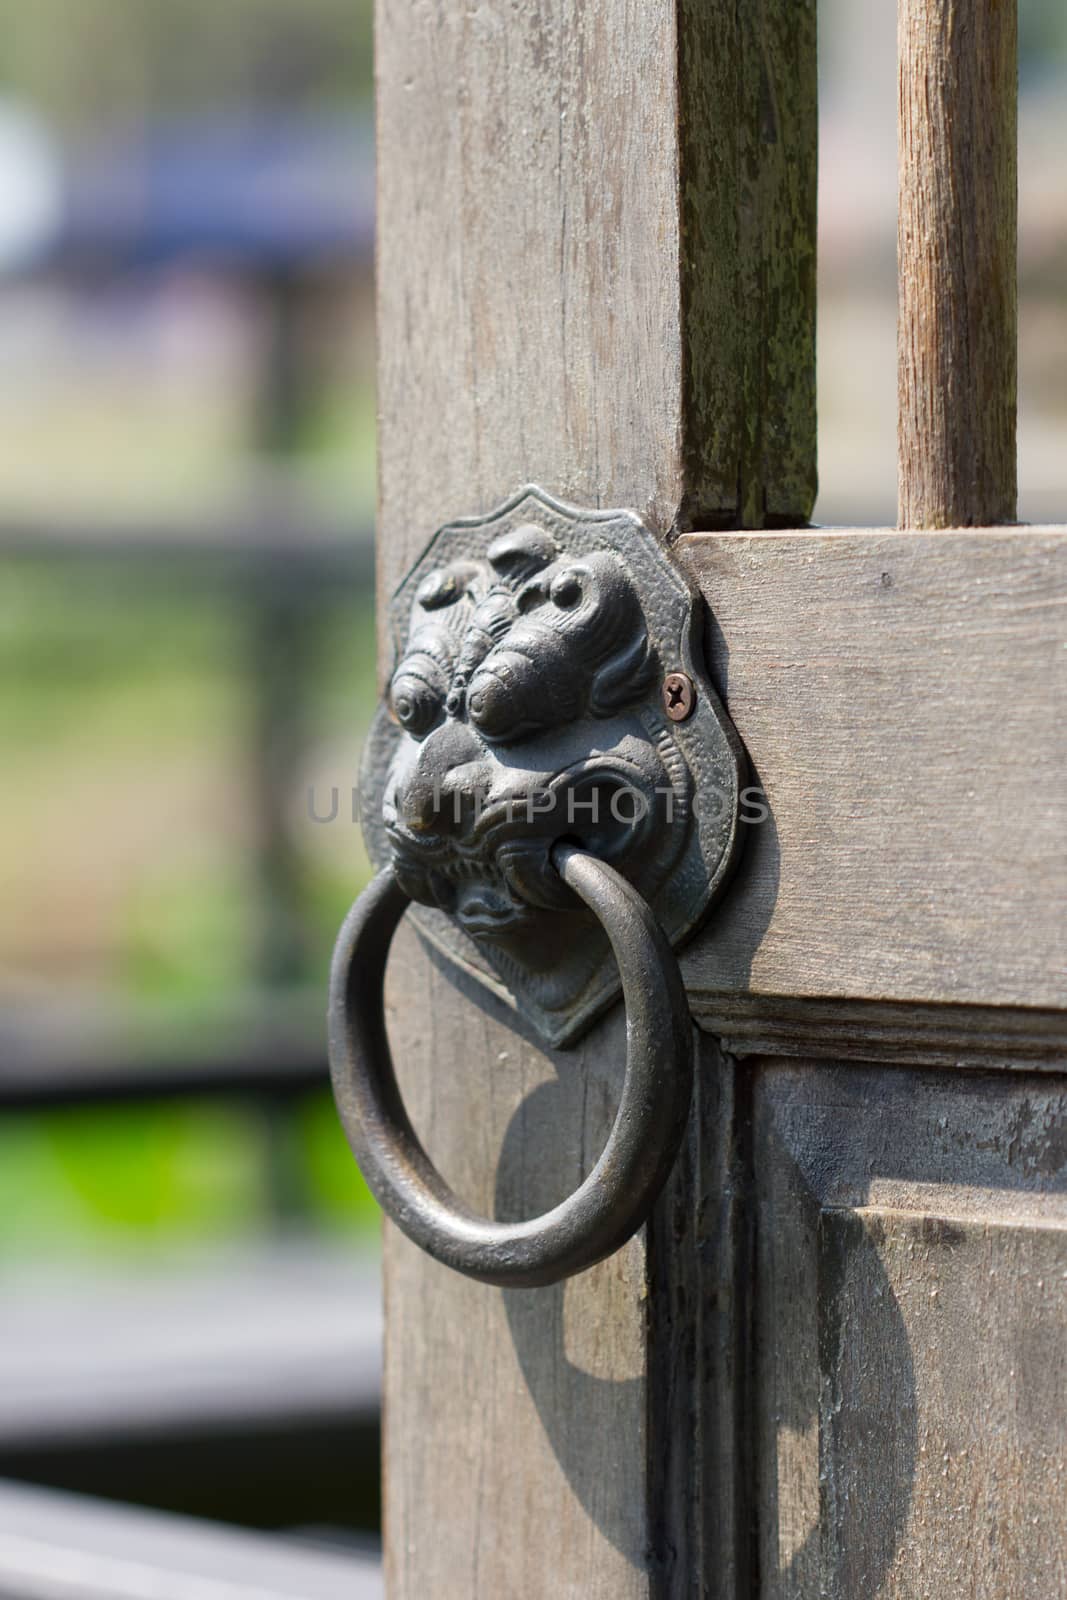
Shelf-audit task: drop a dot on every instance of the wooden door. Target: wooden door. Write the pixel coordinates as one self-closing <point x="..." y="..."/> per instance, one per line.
<point x="834" y="1362"/>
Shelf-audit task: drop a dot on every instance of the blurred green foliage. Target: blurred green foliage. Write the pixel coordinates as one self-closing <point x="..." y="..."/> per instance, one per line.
<point x="144" y="660"/>
<point x="97" y="61"/>
<point x="141" y="858"/>
<point x="128" y="704"/>
<point x="69" y="1176"/>
<point x="145" y="1176"/>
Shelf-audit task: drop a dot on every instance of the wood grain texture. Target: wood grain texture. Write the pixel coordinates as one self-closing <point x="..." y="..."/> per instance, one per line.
<point x="912" y="1329"/>
<point x="900" y="697"/>
<point x="515" y="1421"/>
<point x="748" y="138"/>
<point x="595" y="271"/>
<point x="957" y="248"/>
<point x="596" y="259"/>
<point x="700" y="1386"/>
<point x="589" y="1440"/>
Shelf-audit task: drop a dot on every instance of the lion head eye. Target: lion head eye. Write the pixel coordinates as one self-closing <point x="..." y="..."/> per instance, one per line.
<point x="567" y="590"/>
<point x="417" y="702"/>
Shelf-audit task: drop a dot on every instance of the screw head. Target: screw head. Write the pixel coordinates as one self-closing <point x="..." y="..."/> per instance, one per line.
<point x="679" y="696"/>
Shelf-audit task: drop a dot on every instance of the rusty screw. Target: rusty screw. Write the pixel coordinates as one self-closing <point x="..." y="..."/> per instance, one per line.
<point x="679" y="696"/>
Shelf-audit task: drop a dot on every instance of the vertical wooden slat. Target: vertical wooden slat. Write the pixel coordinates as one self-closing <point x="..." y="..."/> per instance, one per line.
<point x="957" y="235"/>
<point x="747" y="156"/>
<point x="595" y="270"/>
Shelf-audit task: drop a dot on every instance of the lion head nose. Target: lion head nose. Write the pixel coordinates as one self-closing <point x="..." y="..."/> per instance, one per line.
<point x="440" y="793"/>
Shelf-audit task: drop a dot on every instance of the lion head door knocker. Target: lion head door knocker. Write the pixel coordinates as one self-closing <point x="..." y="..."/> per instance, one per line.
<point x="552" y="787"/>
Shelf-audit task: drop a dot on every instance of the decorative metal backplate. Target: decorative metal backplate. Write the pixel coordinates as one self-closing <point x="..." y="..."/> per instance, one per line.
<point x="549" y="684"/>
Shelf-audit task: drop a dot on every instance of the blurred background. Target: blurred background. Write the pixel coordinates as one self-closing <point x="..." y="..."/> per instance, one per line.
<point x="189" y="1315"/>
<point x="857" y="262"/>
<point x="187" y="1256"/>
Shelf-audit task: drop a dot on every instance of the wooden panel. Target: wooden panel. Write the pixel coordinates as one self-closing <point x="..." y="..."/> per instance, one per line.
<point x="901" y="698"/>
<point x="912" y="1335"/>
<point x="957" y="246"/>
<point x="595" y="269"/>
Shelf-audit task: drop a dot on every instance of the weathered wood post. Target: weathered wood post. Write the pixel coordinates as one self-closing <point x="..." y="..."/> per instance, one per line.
<point x="957" y="245"/>
<point x="596" y="270"/>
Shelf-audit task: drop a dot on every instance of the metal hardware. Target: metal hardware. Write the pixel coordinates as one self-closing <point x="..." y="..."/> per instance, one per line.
<point x="558" y="814"/>
<point x="615" y="1198"/>
<point x="679" y="696"/>
<point x="526" y="706"/>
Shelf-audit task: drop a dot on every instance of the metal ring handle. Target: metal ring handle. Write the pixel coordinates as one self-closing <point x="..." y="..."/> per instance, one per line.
<point x="617" y="1195"/>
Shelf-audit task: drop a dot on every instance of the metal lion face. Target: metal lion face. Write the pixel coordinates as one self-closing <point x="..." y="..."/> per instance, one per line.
<point x="527" y="705"/>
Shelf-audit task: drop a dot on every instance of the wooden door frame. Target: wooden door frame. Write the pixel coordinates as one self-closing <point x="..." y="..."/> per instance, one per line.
<point x="596" y="270"/>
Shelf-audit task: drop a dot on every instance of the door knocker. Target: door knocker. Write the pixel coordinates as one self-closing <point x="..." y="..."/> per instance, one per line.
<point x="552" y="788"/>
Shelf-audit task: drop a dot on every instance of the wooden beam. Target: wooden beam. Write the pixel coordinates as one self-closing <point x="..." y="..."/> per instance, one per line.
<point x="901" y="700"/>
<point x="595" y="271"/>
<point x="957" y="247"/>
<point x="923" y="1034"/>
